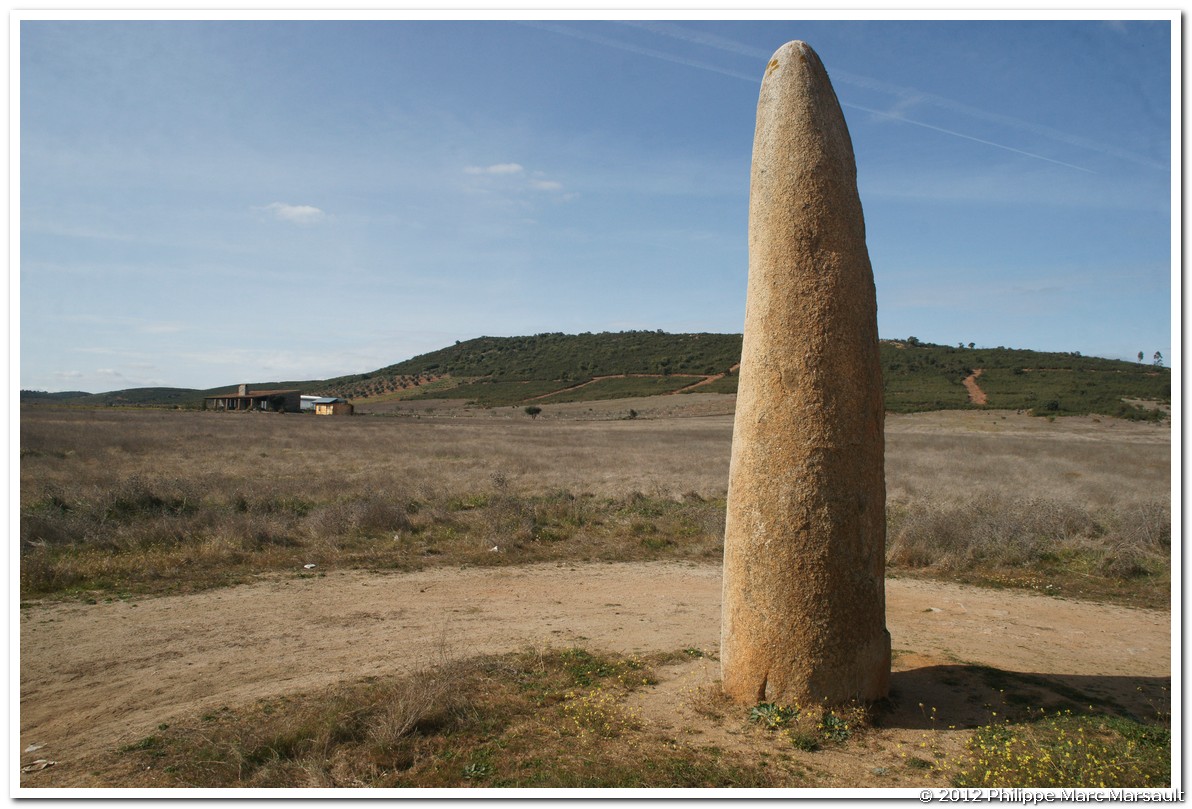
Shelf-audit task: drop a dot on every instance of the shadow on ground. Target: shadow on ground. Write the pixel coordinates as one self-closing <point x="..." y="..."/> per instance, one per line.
<point x="967" y="695"/>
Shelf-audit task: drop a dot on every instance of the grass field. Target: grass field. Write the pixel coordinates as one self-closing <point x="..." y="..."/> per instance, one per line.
<point x="153" y="501"/>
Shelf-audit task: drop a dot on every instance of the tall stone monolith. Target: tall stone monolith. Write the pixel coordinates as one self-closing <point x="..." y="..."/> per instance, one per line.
<point x="804" y="591"/>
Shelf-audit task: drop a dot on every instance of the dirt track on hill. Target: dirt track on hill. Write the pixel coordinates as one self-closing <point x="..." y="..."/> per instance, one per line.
<point x="975" y="394"/>
<point x="96" y="677"/>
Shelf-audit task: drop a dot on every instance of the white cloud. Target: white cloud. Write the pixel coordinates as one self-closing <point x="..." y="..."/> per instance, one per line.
<point x="513" y="177"/>
<point x="296" y="214"/>
<point x="496" y="168"/>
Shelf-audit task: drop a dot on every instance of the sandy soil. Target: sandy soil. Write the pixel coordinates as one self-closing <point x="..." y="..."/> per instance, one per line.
<point x="95" y="677"/>
<point x="975" y="394"/>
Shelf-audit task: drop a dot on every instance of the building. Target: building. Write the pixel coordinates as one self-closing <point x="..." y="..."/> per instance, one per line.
<point x="272" y="401"/>
<point x="333" y="406"/>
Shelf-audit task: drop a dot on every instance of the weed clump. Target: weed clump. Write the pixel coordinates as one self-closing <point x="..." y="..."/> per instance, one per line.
<point x="809" y="729"/>
<point x="1067" y="750"/>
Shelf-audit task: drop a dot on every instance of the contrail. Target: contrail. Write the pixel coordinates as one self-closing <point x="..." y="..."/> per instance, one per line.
<point x="725" y="44"/>
<point x="698" y="38"/>
<point x="954" y="133"/>
<point x="909" y="94"/>
<point x="993" y="117"/>
<point x="638" y="49"/>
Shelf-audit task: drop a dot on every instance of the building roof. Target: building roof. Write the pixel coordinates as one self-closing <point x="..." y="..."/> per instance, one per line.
<point x="252" y="394"/>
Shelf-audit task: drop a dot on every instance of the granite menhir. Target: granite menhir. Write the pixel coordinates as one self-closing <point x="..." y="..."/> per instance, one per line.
<point x="804" y="616"/>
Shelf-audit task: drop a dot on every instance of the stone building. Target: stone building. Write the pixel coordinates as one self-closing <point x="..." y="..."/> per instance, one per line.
<point x="244" y="400"/>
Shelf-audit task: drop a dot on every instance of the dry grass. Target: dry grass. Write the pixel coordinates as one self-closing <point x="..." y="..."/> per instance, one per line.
<point x="1052" y="546"/>
<point x="539" y="718"/>
<point x="154" y="501"/>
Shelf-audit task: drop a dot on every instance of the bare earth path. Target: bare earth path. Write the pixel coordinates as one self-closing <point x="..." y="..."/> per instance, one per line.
<point x="95" y="677"/>
<point x="976" y="395"/>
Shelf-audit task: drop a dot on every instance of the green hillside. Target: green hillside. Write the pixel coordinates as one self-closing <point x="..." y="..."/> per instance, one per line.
<point x="920" y="376"/>
<point x="508" y="370"/>
<point x="555" y="367"/>
<point x="45" y="397"/>
<point x="567" y="357"/>
<point x="496" y="371"/>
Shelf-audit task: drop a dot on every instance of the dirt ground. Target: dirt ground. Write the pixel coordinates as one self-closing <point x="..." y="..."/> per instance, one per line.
<point x="96" y="677"/>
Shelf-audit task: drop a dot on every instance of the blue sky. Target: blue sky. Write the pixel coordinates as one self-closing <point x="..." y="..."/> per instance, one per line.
<point x="209" y="202"/>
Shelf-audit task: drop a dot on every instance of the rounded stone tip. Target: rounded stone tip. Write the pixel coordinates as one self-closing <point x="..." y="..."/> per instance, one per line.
<point x="796" y="53"/>
<point x="794" y="44"/>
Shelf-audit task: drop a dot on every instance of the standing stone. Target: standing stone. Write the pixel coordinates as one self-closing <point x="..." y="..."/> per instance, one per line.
<point x="804" y="550"/>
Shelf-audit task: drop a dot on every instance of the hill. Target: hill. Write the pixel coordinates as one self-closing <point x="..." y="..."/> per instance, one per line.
<point x="554" y="367"/>
<point x="46" y="397"/>
<point x="509" y="370"/>
<point x="921" y="376"/>
<point x="157" y="397"/>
